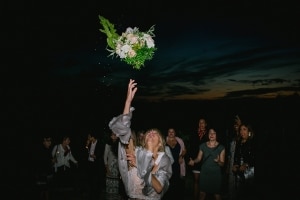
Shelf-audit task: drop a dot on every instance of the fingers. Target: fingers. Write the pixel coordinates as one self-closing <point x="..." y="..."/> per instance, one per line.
<point x="131" y="159"/>
<point x="131" y="89"/>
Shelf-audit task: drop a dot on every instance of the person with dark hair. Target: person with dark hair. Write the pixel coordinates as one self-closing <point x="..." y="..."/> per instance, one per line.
<point x="95" y="166"/>
<point x="195" y="141"/>
<point x="230" y="159"/>
<point x="63" y="155"/>
<point x="44" y="167"/>
<point x="244" y="160"/>
<point x="212" y="156"/>
<point x="140" y="137"/>
<point x="112" y="168"/>
<point x="178" y="151"/>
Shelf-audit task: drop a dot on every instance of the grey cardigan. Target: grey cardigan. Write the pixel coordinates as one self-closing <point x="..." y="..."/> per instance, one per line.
<point x="120" y="125"/>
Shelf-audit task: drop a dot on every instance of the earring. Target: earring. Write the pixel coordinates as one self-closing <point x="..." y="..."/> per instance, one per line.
<point x="249" y="134"/>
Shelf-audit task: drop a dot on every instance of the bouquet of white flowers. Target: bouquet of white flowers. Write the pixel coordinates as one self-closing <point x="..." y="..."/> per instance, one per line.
<point x="133" y="46"/>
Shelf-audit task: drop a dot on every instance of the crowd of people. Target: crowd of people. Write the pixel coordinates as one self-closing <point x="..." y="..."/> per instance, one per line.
<point x="138" y="165"/>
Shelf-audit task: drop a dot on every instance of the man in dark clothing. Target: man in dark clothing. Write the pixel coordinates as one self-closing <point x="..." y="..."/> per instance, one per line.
<point x="95" y="166"/>
<point x="43" y="166"/>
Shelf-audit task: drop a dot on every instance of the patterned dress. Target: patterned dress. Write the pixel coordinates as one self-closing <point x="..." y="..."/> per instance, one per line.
<point x="112" y="178"/>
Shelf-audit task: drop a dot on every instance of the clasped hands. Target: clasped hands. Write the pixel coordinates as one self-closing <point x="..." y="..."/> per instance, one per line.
<point x="237" y="168"/>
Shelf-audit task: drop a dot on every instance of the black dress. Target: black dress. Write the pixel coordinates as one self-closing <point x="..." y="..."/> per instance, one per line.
<point x="176" y="189"/>
<point x="193" y="149"/>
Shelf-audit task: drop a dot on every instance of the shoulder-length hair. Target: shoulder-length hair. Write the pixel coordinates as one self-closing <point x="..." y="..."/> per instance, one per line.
<point x="161" y="138"/>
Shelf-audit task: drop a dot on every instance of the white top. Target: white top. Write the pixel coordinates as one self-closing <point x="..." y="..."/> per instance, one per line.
<point x="92" y="151"/>
<point x="62" y="160"/>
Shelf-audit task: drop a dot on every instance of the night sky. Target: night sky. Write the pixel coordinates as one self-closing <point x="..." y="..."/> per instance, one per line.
<point x="205" y="51"/>
<point x="214" y="59"/>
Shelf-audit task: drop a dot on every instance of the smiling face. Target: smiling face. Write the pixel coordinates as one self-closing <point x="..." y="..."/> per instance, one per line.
<point x="244" y="132"/>
<point x="212" y="135"/>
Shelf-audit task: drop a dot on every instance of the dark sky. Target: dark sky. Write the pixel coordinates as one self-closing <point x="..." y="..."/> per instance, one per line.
<point x="216" y="50"/>
<point x="215" y="58"/>
<point x="206" y="50"/>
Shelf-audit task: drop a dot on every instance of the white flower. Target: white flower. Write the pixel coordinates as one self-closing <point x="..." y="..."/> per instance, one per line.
<point x="131" y="53"/>
<point x="132" y="39"/>
<point x="149" y="40"/>
<point x="133" y="47"/>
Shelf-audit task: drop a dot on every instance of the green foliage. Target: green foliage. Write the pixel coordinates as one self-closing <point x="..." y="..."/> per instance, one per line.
<point x="142" y="55"/>
<point x="109" y="30"/>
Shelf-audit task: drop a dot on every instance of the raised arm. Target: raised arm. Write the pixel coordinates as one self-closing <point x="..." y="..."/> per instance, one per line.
<point x="130" y="95"/>
<point x="120" y="125"/>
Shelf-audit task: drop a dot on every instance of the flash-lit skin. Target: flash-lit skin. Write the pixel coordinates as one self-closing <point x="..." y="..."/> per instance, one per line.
<point x="244" y="140"/>
<point x="212" y="142"/>
<point x="202" y="125"/>
<point x="150" y="161"/>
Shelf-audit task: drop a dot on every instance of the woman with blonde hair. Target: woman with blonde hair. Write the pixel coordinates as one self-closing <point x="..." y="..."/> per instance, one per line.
<point x="146" y="169"/>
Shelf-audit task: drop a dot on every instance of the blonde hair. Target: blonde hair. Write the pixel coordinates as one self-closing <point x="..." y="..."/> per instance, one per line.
<point x="133" y="137"/>
<point x="161" y="139"/>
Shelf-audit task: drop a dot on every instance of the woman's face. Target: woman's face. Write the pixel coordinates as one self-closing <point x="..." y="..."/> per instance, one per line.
<point x="212" y="135"/>
<point x="66" y="141"/>
<point x="244" y="132"/>
<point x="152" y="138"/>
<point x="141" y="136"/>
<point x="47" y="142"/>
<point x="171" y="132"/>
<point x="114" y="136"/>
<point x="202" y="124"/>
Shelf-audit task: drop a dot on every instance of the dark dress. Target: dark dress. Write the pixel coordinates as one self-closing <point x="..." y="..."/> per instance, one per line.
<point x="43" y="167"/>
<point x="95" y="171"/>
<point x="176" y="189"/>
<point x="211" y="172"/>
<point x="245" y="151"/>
<point x="193" y="148"/>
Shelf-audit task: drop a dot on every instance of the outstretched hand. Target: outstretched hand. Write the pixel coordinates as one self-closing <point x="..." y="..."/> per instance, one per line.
<point x="131" y="90"/>
<point x="130" y="95"/>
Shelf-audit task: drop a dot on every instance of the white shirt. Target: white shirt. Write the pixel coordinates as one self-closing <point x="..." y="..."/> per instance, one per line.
<point x="92" y="151"/>
<point x="62" y="160"/>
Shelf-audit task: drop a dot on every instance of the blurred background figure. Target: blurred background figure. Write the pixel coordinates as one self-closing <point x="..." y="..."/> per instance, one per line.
<point x="244" y="159"/>
<point x="140" y="137"/>
<point x="112" y="168"/>
<point x="62" y="155"/>
<point x="94" y="166"/>
<point x="195" y="140"/>
<point x="177" y="180"/>
<point x="44" y="167"/>
<point x="230" y="158"/>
